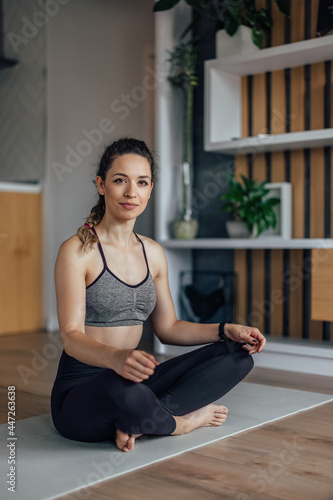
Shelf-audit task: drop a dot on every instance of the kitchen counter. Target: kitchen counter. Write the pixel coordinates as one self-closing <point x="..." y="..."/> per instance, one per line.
<point x="20" y="187"/>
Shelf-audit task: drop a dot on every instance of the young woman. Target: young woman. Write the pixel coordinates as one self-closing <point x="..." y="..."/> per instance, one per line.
<point x="108" y="281"/>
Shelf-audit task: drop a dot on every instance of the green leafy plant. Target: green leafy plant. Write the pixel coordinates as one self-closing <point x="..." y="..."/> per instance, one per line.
<point x="183" y="60"/>
<point x="231" y="13"/>
<point x="247" y="201"/>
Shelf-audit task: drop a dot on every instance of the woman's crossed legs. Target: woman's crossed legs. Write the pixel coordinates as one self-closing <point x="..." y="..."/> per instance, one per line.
<point x="174" y="400"/>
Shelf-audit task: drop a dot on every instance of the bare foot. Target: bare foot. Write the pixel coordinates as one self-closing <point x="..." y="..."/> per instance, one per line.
<point x="208" y="416"/>
<point x="124" y="441"/>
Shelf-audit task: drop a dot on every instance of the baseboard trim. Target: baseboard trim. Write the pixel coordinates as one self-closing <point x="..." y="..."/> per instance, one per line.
<point x="291" y="355"/>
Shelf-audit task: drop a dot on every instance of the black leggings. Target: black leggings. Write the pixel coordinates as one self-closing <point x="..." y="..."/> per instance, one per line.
<point x="102" y="401"/>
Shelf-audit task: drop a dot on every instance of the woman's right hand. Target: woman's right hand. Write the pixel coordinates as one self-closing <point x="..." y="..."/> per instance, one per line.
<point x="134" y="365"/>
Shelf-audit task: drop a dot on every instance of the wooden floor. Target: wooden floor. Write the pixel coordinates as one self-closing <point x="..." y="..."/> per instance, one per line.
<point x="290" y="459"/>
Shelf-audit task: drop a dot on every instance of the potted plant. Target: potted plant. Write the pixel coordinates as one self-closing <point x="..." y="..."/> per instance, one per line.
<point x="251" y="207"/>
<point x="231" y="14"/>
<point x="183" y="76"/>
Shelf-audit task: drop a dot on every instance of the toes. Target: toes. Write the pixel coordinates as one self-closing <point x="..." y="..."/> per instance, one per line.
<point x="130" y="443"/>
<point x="122" y="440"/>
<point x="222" y="409"/>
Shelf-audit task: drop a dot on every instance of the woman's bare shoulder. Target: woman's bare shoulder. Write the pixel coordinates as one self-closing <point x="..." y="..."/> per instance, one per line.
<point x="154" y="248"/>
<point x="156" y="256"/>
<point x="72" y="249"/>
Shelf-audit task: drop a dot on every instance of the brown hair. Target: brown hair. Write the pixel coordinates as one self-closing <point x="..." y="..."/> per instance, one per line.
<point x="117" y="148"/>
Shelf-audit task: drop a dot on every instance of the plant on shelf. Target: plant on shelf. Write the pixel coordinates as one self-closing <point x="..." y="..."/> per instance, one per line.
<point x="250" y="204"/>
<point x="231" y="14"/>
<point x="182" y="74"/>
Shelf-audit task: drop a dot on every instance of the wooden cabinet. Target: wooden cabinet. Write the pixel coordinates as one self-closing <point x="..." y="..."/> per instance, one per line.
<point x="20" y="258"/>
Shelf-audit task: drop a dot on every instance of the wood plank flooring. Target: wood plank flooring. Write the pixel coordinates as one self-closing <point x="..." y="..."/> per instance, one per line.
<point x="289" y="459"/>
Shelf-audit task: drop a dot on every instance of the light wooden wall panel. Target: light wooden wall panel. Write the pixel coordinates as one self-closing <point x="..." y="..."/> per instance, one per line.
<point x="295" y="282"/>
<point x="317" y="185"/>
<point x="314" y="16"/>
<point x="240" y="266"/>
<point x="297" y="98"/>
<point x="259" y="105"/>
<point x="322" y="290"/>
<point x="278" y="103"/>
<point x="332" y="187"/>
<point x="258" y="259"/>
<point x="278" y="28"/>
<point x="277" y="265"/>
<point x="276" y="295"/>
<point x="241" y="287"/>
<point x="288" y="269"/>
<point x="317" y="102"/>
<point x="297" y="178"/>
<point x="331" y="124"/>
<point x="245" y="108"/>
<point x="297" y="28"/>
<point x="331" y="94"/>
<point x="317" y="161"/>
<point x="20" y="262"/>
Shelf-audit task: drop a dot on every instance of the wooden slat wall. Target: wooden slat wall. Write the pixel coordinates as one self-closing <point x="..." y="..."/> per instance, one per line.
<point x="274" y="290"/>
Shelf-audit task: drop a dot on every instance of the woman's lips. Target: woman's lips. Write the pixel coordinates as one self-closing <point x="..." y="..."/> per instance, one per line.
<point x="129" y="206"/>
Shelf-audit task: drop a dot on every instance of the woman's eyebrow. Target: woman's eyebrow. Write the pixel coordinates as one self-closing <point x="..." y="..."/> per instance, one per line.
<point x="125" y="175"/>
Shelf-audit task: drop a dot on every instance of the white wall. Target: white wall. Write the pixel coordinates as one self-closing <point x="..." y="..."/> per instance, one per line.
<point x="97" y="53"/>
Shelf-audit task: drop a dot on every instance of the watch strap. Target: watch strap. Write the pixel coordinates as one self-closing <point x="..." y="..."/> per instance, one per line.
<point x="229" y="343"/>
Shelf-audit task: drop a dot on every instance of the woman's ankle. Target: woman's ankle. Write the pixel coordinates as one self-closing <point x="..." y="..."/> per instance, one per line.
<point x="182" y="426"/>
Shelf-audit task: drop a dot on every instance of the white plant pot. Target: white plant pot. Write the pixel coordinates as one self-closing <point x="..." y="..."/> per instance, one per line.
<point x="185" y="229"/>
<point x="237" y="229"/>
<point x="240" y="43"/>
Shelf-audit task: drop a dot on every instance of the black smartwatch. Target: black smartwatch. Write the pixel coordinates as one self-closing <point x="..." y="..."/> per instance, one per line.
<point x="222" y="335"/>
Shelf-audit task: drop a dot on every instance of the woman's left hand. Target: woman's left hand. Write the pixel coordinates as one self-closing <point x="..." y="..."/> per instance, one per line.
<point x="253" y="339"/>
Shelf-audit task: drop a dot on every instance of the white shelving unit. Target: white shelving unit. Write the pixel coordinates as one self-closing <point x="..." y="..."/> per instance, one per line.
<point x="229" y="243"/>
<point x="223" y="98"/>
<point x="222" y="122"/>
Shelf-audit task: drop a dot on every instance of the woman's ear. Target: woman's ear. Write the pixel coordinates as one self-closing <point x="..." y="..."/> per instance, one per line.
<point x="151" y="188"/>
<point x="100" y="184"/>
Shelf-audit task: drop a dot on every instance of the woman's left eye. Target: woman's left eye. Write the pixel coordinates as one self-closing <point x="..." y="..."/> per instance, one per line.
<point x="144" y="183"/>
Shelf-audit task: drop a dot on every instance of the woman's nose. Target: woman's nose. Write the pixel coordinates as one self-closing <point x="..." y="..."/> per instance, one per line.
<point x="130" y="191"/>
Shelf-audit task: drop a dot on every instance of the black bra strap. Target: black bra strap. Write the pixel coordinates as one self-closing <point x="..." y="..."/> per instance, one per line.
<point x="100" y="249"/>
<point x="144" y="250"/>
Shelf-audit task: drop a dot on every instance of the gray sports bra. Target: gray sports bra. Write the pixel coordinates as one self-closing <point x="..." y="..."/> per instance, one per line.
<point x="112" y="302"/>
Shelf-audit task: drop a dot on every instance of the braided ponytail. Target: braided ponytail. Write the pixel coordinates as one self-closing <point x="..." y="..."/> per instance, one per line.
<point x="85" y="232"/>
<point x="117" y="148"/>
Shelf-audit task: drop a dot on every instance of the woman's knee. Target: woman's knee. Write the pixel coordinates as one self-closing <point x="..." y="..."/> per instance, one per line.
<point x="240" y="361"/>
<point x="134" y="396"/>
<point x="248" y="363"/>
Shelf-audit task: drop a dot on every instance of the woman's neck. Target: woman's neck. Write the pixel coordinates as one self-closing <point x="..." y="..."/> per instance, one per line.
<point x="117" y="233"/>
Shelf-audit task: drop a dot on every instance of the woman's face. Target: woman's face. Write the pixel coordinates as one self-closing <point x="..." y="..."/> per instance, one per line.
<point x="127" y="186"/>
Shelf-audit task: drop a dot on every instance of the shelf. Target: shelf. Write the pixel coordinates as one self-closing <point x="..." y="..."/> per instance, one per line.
<point x="276" y="58"/>
<point x="259" y="243"/>
<point x="275" y="142"/>
<point x="223" y="98"/>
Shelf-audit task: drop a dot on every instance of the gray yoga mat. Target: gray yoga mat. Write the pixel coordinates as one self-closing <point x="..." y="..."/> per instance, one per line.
<point x="48" y="465"/>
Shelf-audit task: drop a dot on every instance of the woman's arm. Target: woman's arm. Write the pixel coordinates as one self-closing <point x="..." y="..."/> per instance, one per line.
<point x="70" y="287"/>
<point x="70" y="272"/>
<point x="170" y="330"/>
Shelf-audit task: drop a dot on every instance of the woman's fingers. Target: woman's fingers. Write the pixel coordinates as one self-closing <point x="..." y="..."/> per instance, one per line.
<point x="141" y="365"/>
<point x="256" y="340"/>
